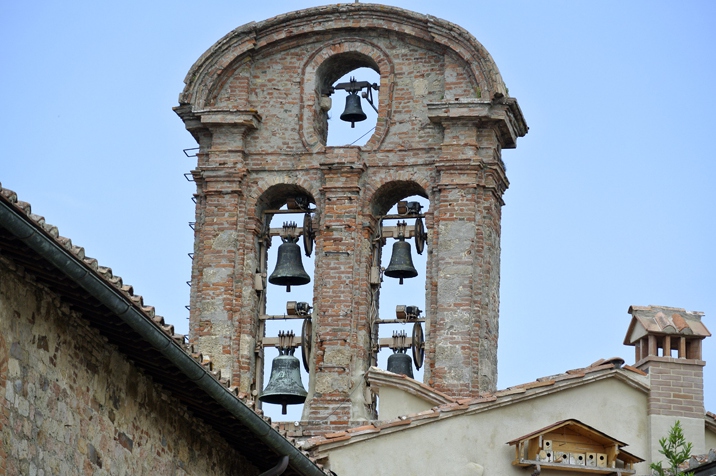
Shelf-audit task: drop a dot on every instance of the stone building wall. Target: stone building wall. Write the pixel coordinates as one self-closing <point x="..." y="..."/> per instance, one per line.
<point x="71" y="404"/>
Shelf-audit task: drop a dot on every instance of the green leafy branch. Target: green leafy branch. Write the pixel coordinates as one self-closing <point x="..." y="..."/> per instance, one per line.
<point x="676" y="450"/>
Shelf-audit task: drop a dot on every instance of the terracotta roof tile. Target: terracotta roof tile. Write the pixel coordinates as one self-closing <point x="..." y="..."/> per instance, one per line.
<point x="536" y="384"/>
<point x="510" y="391"/>
<point x="392" y="423"/>
<point x="425" y="415"/>
<point x="361" y="428"/>
<point x="466" y="404"/>
<point x="635" y="370"/>
<point x="452" y="407"/>
<point x="598" y="368"/>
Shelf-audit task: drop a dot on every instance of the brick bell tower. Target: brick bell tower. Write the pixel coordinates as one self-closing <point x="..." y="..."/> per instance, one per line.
<point x="256" y="102"/>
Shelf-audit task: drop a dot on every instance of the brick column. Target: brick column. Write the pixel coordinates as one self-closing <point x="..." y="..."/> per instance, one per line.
<point x="224" y="307"/>
<point x="462" y="329"/>
<point x="676" y="393"/>
<point x="342" y="335"/>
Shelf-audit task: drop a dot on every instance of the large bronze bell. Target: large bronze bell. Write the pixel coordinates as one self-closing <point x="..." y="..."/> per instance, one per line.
<point x="401" y="262"/>
<point x="400" y="363"/>
<point x="285" y="386"/>
<point x="289" y="267"/>
<point x="353" y="112"/>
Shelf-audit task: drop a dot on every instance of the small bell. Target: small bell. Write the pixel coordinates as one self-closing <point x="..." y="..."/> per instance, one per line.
<point x="353" y="112"/>
<point x="400" y="363"/>
<point x="285" y="386"/>
<point x="289" y="267"/>
<point x="401" y="262"/>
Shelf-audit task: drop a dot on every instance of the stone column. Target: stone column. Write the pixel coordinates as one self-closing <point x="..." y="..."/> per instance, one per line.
<point x="463" y="322"/>
<point x="224" y="306"/>
<point x="342" y="335"/>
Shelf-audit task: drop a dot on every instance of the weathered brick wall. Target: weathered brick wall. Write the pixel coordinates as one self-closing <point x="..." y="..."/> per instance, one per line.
<point x="677" y="386"/>
<point x="71" y="404"/>
<point x="253" y="102"/>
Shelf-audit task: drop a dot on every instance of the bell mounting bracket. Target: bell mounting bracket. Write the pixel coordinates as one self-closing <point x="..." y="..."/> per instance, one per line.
<point x="286" y="346"/>
<point x="400" y="342"/>
<point x="354" y="87"/>
<point x="289" y="232"/>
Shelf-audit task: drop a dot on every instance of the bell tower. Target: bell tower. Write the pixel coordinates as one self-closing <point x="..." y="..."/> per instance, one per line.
<point x="257" y="103"/>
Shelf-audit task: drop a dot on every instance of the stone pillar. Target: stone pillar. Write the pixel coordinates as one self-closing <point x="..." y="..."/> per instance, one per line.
<point x="224" y="307"/>
<point x="342" y="333"/>
<point x="462" y="330"/>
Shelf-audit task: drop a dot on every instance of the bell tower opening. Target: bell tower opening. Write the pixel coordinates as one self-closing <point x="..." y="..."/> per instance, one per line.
<point x="401" y="298"/>
<point x="288" y="301"/>
<point x="348" y="85"/>
<point x="341" y="132"/>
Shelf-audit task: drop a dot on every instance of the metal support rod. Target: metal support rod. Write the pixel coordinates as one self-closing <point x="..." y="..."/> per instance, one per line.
<point x="267" y="317"/>
<point x="289" y="211"/>
<point x="399" y="321"/>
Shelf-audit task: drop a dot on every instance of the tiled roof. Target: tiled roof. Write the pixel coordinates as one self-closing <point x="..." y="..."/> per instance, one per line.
<point x="24" y="258"/>
<point x="377" y="378"/>
<point x="600" y="369"/>
<point x="711" y="421"/>
<point x="663" y="320"/>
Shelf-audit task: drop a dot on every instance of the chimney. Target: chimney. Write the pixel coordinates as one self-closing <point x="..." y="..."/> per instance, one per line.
<point x="667" y="343"/>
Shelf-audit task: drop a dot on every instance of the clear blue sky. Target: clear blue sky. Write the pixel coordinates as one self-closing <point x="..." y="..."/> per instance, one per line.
<point x="612" y="192"/>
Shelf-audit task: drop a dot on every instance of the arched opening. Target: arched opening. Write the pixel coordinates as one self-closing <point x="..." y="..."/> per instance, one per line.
<point x="287" y="212"/>
<point x="401" y="208"/>
<point x="334" y="87"/>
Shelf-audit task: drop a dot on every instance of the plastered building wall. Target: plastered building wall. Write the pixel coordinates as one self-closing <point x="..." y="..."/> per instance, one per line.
<point x="475" y="444"/>
<point x="71" y="404"/>
<point x="256" y="104"/>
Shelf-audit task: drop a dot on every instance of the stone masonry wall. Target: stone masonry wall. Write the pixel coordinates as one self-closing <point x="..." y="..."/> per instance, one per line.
<point x="71" y="404"/>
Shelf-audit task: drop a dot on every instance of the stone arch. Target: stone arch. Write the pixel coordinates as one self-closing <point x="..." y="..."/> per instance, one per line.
<point x="249" y="39"/>
<point x="271" y="193"/>
<point x="390" y="192"/>
<point x="327" y="64"/>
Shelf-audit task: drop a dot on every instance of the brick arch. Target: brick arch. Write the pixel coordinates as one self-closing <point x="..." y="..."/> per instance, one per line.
<point x="271" y="192"/>
<point x="399" y="186"/>
<point x="354" y="53"/>
<point x="297" y="27"/>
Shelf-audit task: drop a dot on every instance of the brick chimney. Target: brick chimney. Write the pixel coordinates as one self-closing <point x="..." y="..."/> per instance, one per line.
<point x="667" y="342"/>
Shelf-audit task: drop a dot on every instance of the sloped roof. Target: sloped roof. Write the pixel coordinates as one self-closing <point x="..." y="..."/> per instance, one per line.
<point x="604" y="368"/>
<point x="603" y="438"/>
<point x="377" y="378"/>
<point x="584" y="430"/>
<point x="28" y="242"/>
